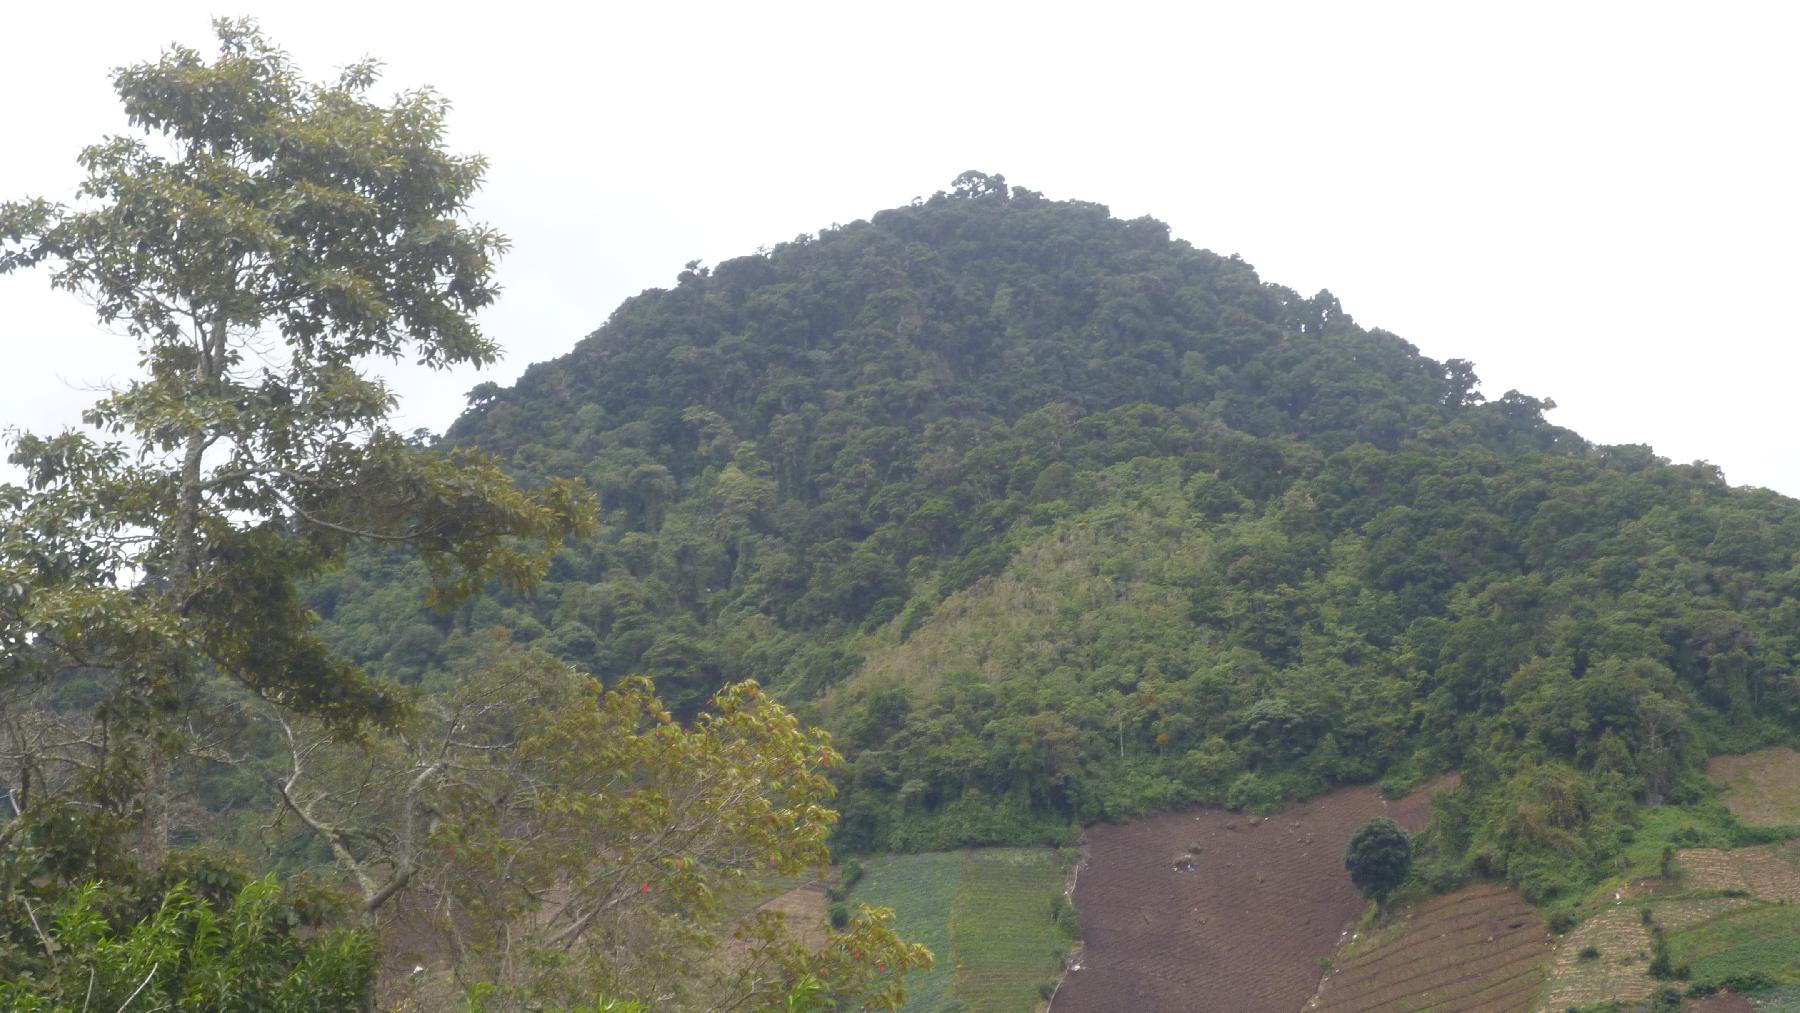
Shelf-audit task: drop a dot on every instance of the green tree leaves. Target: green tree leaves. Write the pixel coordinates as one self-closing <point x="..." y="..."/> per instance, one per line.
<point x="265" y="237"/>
<point x="1378" y="858"/>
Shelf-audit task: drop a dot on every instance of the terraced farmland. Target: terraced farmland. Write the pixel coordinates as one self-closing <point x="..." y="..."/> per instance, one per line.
<point x="1769" y="871"/>
<point x="987" y="915"/>
<point x="1676" y="915"/>
<point x="1203" y="903"/>
<point x="1715" y="937"/>
<point x="1480" y="948"/>
<point x="1620" y="971"/>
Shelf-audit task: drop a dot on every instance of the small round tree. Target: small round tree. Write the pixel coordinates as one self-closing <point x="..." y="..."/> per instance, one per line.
<point x="1378" y="859"/>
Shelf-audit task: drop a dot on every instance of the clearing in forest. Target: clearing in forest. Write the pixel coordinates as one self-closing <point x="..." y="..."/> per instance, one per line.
<point x="1762" y="788"/>
<point x="987" y="915"/>
<point x="1211" y="909"/>
<point x="1480" y="948"/>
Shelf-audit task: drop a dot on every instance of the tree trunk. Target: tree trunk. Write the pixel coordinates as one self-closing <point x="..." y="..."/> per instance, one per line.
<point x="184" y="565"/>
<point x="154" y="849"/>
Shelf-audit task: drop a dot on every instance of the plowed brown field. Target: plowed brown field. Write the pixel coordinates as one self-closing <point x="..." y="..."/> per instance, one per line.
<point x="1479" y="949"/>
<point x="1206" y="909"/>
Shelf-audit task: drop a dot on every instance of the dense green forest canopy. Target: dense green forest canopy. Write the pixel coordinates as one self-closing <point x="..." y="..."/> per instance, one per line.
<point x="1053" y="518"/>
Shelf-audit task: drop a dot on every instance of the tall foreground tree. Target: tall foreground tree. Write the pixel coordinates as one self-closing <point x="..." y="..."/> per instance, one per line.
<point x="261" y="241"/>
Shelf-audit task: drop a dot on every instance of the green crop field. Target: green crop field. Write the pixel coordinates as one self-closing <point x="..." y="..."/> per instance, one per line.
<point x="1784" y="999"/>
<point x="1762" y="939"/>
<point x="988" y="916"/>
<point x="922" y="891"/>
<point x="1006" y="942"/>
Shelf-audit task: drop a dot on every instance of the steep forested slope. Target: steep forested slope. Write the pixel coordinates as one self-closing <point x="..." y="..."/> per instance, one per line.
<point x="1053" y="518"/>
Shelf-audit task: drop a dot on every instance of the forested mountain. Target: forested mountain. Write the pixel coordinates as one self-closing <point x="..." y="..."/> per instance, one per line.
<point x="1051" y="518"/>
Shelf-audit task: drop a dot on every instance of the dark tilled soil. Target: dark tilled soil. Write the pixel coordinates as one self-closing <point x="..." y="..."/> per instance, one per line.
<point x="1244" y="930"/>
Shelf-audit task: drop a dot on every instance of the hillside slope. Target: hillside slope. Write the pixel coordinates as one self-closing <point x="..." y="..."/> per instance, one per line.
<point x="1053" y="518"/>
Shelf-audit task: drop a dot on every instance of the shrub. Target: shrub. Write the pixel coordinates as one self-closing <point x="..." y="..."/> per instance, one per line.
<point x="1589" y="953"/>
<point x="1660" y="965"/>
<point x="1251" y="793"/>
<point x="1744" y="984"/>
<point x="840" y="916"/>
<point x="1066" y="917"/>
<point x="1562" y="921"/>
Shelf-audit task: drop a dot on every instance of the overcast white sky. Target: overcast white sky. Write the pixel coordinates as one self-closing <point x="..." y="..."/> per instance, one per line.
<point x="1595" y="203"/>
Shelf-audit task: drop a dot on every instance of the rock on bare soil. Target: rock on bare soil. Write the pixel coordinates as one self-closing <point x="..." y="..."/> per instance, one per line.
<point x="1244" y="930"/>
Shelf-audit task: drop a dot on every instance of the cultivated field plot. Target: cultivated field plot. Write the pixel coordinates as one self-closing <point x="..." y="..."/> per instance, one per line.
<point x="1770" y="871"/>
<point x="1785" y="999"/>
<point x="985" y="914"/>
<point x="1621" y="971"/>
<point x="1210" y="909"/>
<point x="1763" y="788"/>
<point x="1755" y="938"/>
<point x="1480" y="948"/>
<point x="1003" y="940"/>
<point x="922" y="891"/>
<point x="1676" y="915"/>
